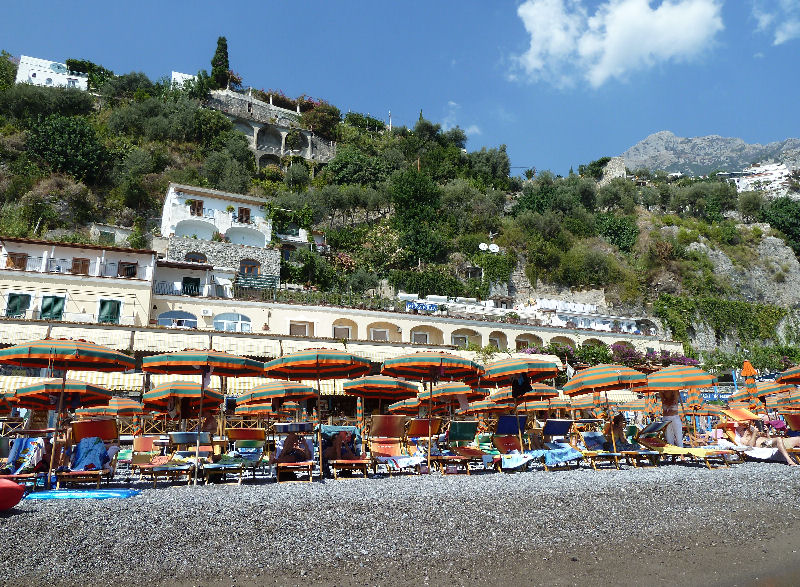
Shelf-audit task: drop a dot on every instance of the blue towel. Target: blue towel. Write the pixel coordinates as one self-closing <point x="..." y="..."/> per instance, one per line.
<point x="84" y="494"/>
<point x="90" y="455"/>
<point x="556" y="456"/>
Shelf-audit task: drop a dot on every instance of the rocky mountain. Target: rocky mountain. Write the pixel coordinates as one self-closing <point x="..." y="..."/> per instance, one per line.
<point x="700" y="155"/>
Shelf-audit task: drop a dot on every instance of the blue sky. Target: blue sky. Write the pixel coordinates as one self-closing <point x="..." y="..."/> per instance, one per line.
<point x="560" y="82"/>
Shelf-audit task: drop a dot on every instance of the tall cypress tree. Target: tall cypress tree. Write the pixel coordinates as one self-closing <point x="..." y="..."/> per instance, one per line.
<point x="220" y="65"/>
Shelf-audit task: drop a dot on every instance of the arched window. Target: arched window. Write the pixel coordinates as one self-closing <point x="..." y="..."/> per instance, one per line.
<point x="232" y="322"/>
<point x="195" y="257"/>
<point x="249" y="267"/>
<point x="177" y="319"/>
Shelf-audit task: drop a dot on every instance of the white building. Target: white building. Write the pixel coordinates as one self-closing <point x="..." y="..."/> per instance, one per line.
<point x="178" y="79"/>
<point x="41" y="72"/>
<point x="770" y="178"/>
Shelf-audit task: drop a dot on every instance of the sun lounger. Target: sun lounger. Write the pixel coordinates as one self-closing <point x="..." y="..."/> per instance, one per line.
<point x="386" y="447"/>
<point x="558" y="453"/>
<point x="93" y="455"/>
<point x="302" y="467"/>
<point x="651" y="437"/>
<point x="167" y="467"/>
<point x="360" y="463"/>
<point x="26" y="461"/>
<point x="249" y="448"/>
<point x="460" y="449"/>
<point x="506" y="439"/>
<point x="143" y="452"/>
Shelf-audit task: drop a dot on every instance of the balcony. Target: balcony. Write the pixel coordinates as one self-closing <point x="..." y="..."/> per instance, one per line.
<point x="75" y="266"/>
<point x="168" y="288"/>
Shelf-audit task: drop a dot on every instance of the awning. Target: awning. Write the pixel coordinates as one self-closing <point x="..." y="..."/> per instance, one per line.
<point x="223" y="281"/>
<point x="116" y="339"/>
<point x="13" y="334"/>
<point x="167" y="341"/>
<point x="251" y="346"/>
<point x="13" y="382"/>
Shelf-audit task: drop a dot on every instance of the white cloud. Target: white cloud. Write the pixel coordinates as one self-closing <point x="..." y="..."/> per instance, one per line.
<point x="472" y="130"/>
<point x="778" y="18"/>
<point x="568" y="44"/>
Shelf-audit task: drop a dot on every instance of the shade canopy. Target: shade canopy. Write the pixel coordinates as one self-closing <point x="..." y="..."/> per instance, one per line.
<point x="485" y="406"/>
<point x="790" y="376"/>
<point x="63" y="354"/>
<point x="407" y="406"/>
<point x="44" y="395"/>
<point x="445" y="393"/>
<point x="260" y="410"/>
<point x="161" y="395"/>
<point x="317" y="364"/>
<point x="431" y="366"/>
<point x="604" y="377"/>
<point x="504" y="369"/>
<point x="766" y="388"/>
<point x="118" y="407"/>
<point x="192" y="362"/>
<point x="277" y="390"/>
<point x="380" y="387"/>
<point x="677" y="377"/>
<point x="539" y="391"/>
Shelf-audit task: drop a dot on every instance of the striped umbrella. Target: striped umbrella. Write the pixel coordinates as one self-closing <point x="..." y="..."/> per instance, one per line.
<point x="677" y="377"/>
<point x="539" y="391"/>
<point x="193" y="393"/>
<point x="767" y="388"/>
<point x="506" y="369"/>
<point x="603" y="377"/>
<point x="637" y="405"/>
<point x="360" y="418"/>
<point x="408" y="407"/>
<point x="380" y="387"/>
<point x="258" y="410"/>
<point x="317" y="364"/>
<point x="449" y="393"/>
<point x="277" y="390"/>
<point x="117" y="407"/>
<point x="485" y="406"/>
<point x="791" y="376"/>
<point x="786" y="401"/>
<point x="45" y="394"/>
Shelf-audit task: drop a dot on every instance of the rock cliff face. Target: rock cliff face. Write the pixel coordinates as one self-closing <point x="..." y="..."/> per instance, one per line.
<point x="700" y="155"/>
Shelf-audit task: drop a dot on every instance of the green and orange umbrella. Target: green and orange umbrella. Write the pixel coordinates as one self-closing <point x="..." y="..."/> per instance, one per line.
<point x="506" y="369"/>
<point x="44" y="395"/>
<point x="677" y="377"/>
<point x="118" y="407"/>
<point x="485" y="406"/>
<point x="539" y="391"/>
<point x="162" y="395"/>
<point x="317" y="364"/>
<point x="791" y="376"/>
<point x="380" y="387"/>
<point x="448" y="393"/>
<point x="408" y="407"/>
<point x="274" y="390"/>
<point x="767" y="388"/>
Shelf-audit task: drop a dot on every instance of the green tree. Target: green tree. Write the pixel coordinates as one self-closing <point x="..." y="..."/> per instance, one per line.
<point x="97" y="74"/>
<point x="220" y="66"/>
<point x="27" y="103"/>
<point x="323" y="120"/>
<point x="8" y="71"/>
<point x="415" y="197"/>
<point x="750" y="205"/>
<point x="69" y="144"/>
<point x="784" y="215"/>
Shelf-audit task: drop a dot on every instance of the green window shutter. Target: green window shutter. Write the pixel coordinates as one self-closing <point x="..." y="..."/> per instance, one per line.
<point x="52" y="307"/>
<point x="17" y="305"/>
<point x="109" y="312"/>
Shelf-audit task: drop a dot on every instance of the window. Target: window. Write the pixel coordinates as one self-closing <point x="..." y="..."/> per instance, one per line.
<point x="243" y="216"/>
<point x="109" y="312"/>
<point x="72" y="83"/>
<point x="194" y="257"/>
<point x="17" y="261"/>
<point x="291" y="229"/>
<point x="17" y="305"/>
<point x="380" y="334"/>
<point x="287" y="251"/>
<point x="177" y="319"/>
<point x="106" y="238"/>
<point x="249" y="267"/>
<point x="298" y="328"/>
<point x="127" y="269"/>
<point x="191" y="286"/>
<point x="80" y="266"/>
<point x="232" y="322"/>
<point x="419" y="337"/>
<point x="49" y="81"/>
<point x="459" y="340"/>
<point x="195" y="207"/>
<point x="52" y="308"/>
<point x="341" y="332"/>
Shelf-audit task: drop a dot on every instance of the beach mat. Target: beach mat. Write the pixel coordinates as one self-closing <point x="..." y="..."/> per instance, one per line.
<point x="84" y="494"/>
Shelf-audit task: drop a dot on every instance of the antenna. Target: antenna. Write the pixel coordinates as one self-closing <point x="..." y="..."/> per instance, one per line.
<point x="493" y="248"/>
<point x="483" y="246"/>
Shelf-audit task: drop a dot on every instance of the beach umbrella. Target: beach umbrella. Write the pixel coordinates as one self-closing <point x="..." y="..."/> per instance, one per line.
<point x="539" y="391"/>
<point x="360" y="418"/>
<point x="204" y="363"/>
<point x="318" y="364"/>
<point x="275" y="390"/>
<point x="431" y="367"/>
<point x="61" y="355"/>
<point x="485" y="406"/>
<point x="189" y="394"/>
<point x="44" y="395"/>
<point x="506" y="369"/>
<point x="791" y="376"/>
<point x="408" y="407"/>
<point x="637" y="405"/>
<point x="604" y="378"/>
<point x="255" y="410"/>
<point x="677" y="377"/>
<point x="451" y="392"/>
<point x="380" y="387"/>
<point x="767" y="388"/>
<point x="118" y="407"/>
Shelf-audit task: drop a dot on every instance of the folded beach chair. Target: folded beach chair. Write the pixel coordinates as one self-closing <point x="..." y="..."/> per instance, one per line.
<point x="334" y="466"/>
<point x="651" y="437"/>
<point x="303" y="467"/>
<point x="94" y="453"/>
<point x="249" y="448"/>
<point x="558" y="453"/>
<point x="27" y="460"/>
<point x="386" y="448"/>
<point x="460" y="449"/>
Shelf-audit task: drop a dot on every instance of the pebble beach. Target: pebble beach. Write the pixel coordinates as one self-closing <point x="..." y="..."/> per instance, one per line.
<point x="672" y="525"/>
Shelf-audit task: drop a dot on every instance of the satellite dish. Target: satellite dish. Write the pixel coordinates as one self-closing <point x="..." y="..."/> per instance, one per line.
<point x="483" y="246"/>
<point x="494" y="248"/>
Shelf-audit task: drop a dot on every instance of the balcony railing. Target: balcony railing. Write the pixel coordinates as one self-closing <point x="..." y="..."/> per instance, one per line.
<point x="167" y="288"/>
<point x="69" y="266"/>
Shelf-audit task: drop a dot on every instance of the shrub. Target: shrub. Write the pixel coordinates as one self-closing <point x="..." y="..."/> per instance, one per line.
<point x="69" y="144"/>
<point x="27" y="103"/>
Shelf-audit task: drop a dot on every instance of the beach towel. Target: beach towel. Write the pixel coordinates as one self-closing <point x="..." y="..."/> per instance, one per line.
<point x="84" y="494"/>
<point x="558" y="454"/>
<point x="759" y="453"/>
<point x="401" y="462"/>
<point x="90" y="454"/>
<point x="508" y="461"/>
<point x="25" y="455"/>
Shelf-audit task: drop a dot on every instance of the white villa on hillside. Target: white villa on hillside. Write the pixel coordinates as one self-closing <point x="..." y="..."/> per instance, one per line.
<point x="41" y="72"/>
<point x="770" y="178"/>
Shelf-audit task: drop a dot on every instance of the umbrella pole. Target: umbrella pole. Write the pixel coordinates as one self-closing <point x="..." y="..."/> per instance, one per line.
<point x="199" y="424"/>
<point x="611" y="420"/>
<point x="319" y="421"/>
<point x="49" y="482"/>
<point x="519" y="432"/>
<point x="430" y="416"/>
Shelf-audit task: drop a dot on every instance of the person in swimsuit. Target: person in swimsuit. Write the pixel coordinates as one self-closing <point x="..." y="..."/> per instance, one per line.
<point x="340" y="448"/>
<point x="294" y="450"/>
<point x="747" y="435"/>
<point x="673" y="433"/>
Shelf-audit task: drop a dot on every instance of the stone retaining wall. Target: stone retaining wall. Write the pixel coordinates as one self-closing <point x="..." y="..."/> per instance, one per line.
<point x="225" y="254"/>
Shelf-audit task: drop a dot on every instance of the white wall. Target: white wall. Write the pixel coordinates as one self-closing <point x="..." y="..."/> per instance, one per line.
<point x="41" y="72"/>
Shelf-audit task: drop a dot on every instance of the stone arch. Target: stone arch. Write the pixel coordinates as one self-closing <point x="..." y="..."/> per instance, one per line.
<point x="623" y="343"/>
<point x="430" y="334"/>
<point x="269" y="138"/>
<point x="195" y="257"/>
<point x="249" y="267"/>
<point x="341" y="324"/>
<point x="194" y="227"/>
<point x="269" y="159"/>
<point x="244" y="127"/>
<point x="500" y="337"/>
<point x="244" y="235"/>
<point x="464" y="336"/>
<point x="177" y="319"/>
<point x="566" y="340"/>
<point x="527" y="340"/>
<point x="647" y="327"/>
<point x="384" y="331"/>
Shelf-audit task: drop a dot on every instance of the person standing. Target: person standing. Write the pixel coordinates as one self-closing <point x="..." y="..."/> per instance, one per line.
<point x="673" y="433"/>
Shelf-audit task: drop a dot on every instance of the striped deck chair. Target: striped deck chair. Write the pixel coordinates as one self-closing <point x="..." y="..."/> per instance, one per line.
<point x="249" y="447"/>
<point x="558" y="453"/>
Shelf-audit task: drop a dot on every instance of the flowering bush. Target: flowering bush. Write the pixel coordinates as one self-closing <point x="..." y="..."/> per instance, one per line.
<point x="624" y="354"/>
<point x="342" y="262"/>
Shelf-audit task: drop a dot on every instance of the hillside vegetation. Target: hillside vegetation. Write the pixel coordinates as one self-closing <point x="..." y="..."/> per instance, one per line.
<point x="410" y="205"/>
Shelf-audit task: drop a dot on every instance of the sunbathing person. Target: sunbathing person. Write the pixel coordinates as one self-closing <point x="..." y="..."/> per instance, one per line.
<point x="750" y="436"/>
<point x="295" y="450"/>
<point x="340" y="448"/>
<point x="617" y="425"/>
